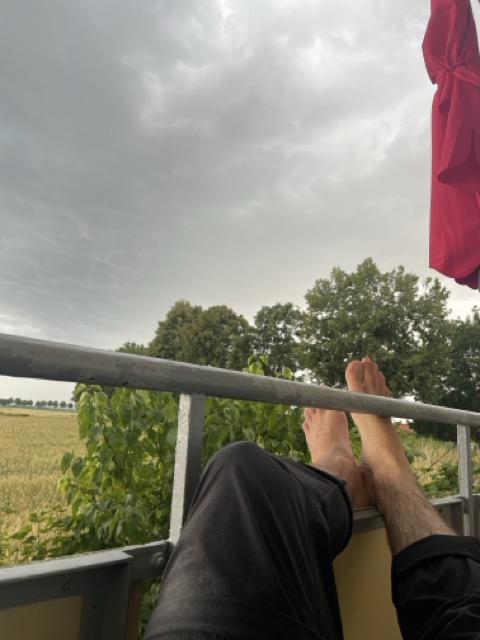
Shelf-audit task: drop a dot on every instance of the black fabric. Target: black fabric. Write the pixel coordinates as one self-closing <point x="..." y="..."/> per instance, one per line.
<point x="436" y="589"/>
<point x="254" y="560"/>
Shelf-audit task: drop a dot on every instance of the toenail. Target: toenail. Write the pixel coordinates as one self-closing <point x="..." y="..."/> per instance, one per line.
<point x="358" y="366"/>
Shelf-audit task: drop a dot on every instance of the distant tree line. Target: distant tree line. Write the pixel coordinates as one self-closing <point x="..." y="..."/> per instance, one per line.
<point x="399" y="321"/>
<point x="39" y="404"/>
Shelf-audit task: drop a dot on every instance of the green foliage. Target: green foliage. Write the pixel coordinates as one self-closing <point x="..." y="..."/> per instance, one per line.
<point x="277" y="428"/>
<point x="216" y="336"/>
<point x="278" y="331"/>
<point x="463" y="388"/>
<point x="411" y="448"/>
<point x="385" y="316"/>
<point x="443" y="482"/>
<point x="438" y="430"/>
<point x="462" y="379"/>
<point x="440" y="478"/>
<point x="45" y="535"/>
<point x="393" y="317"/>
<point x="119" y="493"/>
<point x="5" y="540"/>
<point x="133" y="347"/>
<point x="171" y="337"/>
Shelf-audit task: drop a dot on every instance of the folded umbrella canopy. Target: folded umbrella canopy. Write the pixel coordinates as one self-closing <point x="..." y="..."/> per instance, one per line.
<point x="452" y="58"/>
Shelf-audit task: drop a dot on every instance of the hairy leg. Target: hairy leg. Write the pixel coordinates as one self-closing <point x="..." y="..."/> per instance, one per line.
<point x="407" y="513"/>
<point x="326" y="432"/>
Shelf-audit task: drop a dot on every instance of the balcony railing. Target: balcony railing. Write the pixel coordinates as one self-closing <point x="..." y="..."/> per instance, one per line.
<point x="100" y="591"/>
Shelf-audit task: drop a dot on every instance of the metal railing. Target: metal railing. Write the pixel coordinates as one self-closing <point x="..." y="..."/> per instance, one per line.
<point x="30" y="358"/>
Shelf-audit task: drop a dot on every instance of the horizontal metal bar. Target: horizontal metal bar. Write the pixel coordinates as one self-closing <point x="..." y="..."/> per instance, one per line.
<point x="451" y="508"/>
<point x="101" y="580"/>
<point x="30" y="358"/>
<point x="61" y="566"/>
<point x="145" y="561"/>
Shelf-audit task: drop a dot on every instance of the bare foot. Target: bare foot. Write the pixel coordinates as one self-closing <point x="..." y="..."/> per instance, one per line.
<point x="326" y="432"/>
<point x="406" y="511"/>
<point x="383" y="451"/>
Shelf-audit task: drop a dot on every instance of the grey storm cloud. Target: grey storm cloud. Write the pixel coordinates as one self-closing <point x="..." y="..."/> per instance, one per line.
<point x="222" y="151"/>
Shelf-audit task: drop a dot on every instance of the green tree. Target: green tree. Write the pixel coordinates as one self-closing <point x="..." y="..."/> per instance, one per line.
<point x="171" y="337"/>
<point x="133" y="347"/>
<point x="386" y="316"/>
<point x="277" y="335"/>
<point x="216" y="336"/>
<point x="462" y="378"/>
<point x="220" y="338"/>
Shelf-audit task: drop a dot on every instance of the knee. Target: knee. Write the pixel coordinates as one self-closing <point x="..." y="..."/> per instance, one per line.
<point x="239" y="457"/>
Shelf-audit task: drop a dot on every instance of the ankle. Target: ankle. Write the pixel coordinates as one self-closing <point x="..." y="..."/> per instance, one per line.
<point x="336" y="463"/>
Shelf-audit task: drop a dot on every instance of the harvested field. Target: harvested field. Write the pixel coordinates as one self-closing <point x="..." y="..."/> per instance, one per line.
<point x="32" y="442"/>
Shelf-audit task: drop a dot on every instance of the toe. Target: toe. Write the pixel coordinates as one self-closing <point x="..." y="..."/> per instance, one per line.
<point x="374" y="380"/>
<point x="370" y="376"/>
<point x="354" y="376"/>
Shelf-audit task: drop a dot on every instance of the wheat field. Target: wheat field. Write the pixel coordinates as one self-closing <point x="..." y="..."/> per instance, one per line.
<point x="32" y="443"/>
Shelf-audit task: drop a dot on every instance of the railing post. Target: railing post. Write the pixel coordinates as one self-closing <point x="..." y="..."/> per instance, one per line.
<point x="465" y="479"/>
<point x="188" y="458"/>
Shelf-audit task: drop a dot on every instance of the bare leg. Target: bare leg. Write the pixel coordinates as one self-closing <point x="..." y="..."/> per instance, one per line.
<point x="407" y="513"/>
<point x="326" y="432"/>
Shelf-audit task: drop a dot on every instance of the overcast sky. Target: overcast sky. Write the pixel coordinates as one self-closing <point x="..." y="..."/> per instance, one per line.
<point x="223" y="151"/>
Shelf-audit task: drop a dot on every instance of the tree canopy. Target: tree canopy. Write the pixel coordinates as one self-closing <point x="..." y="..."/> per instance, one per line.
<point x="277" y="335"/>
<point x="387" y="316"/>
<point x="216" y="336"/>
<point x="133" y="347"/>
<point x="461" y="388"/>
<point x="392" y="316"/>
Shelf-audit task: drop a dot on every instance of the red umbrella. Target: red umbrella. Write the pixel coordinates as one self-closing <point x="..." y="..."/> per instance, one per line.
<point x="452" y="57"/>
